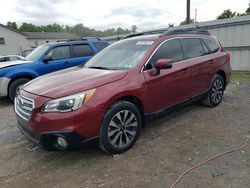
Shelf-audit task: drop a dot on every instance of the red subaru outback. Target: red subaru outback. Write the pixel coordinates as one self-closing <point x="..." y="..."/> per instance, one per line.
<point x="109" y="98"/>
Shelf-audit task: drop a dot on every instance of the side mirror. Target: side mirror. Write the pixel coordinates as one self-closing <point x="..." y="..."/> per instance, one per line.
<point x="164" y="64"/>
<point x="47" y="58"/>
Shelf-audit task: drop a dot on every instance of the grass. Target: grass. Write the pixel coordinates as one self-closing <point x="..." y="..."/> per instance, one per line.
<point x="240" y="77"/>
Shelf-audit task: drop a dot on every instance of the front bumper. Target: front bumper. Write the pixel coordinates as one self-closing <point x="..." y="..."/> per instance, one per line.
<point x="78" y="127"/>
<point x="4" y="83"/>
<point x="48" y="139"/>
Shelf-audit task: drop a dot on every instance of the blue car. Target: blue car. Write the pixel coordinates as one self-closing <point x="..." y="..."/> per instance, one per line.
<point x="46" y="59"/>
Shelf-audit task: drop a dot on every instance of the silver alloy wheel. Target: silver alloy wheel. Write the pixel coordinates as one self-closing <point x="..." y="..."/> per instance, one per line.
<point x="217" y="91"/>
<point x="122" y="128"/>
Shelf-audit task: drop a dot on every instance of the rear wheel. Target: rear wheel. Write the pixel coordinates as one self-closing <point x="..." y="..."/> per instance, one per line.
<point x="216" y="92"/>
<point x="120" y="128"/>
<point x="15" y="86"/>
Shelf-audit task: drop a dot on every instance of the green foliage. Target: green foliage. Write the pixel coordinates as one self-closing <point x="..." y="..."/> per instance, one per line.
<point x="230" y="14"/>
<point x="134" y="28"/>
<point x="185" y="22"/>
<point x="227" y="14"/>
<point x="78" y="29"/>
<point x="248" y="10"/>
<point x="170" y="25"/>
<point x="12" y="25"/>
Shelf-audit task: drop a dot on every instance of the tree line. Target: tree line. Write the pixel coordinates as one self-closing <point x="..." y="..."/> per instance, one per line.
<point x="78" y="29"/>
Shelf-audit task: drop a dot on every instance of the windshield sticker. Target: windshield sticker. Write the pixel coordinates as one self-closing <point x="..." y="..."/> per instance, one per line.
<point x="144" y="42"/>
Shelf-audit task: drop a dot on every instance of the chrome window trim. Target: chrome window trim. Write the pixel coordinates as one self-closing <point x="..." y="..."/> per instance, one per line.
<point x="184" y="59"/>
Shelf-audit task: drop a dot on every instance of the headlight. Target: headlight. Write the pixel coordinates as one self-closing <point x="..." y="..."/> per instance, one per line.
<point x="69" y="103"/>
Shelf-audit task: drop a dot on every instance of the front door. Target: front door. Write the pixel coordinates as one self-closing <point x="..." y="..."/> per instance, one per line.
<point x="60" y="59"/>
<point x="171" y="86"/>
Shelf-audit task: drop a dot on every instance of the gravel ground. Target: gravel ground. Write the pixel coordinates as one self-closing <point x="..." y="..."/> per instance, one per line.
<point x="166" y="148"/>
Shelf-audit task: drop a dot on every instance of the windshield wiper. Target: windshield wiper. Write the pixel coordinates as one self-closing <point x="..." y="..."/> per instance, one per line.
<point x="99" y="67"/>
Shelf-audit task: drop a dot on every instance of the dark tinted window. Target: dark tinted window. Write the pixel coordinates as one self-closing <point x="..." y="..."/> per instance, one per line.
<point x="100" y="45"/>
<point x="205" y="49"/>
<point x="192" y="47"/>
<point x="2" y="59"/>
<point x="82" y="50"/>
<point x="211" y="45"/>
<point x="169" y="50"/>
<point x="2" y="41"/>
<point x="61" y="52"/>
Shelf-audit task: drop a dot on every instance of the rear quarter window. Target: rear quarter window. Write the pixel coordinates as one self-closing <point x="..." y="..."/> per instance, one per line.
<point x="192" y="47"/>
<point x="213" y="47"/>
<point x="100" y="45"/>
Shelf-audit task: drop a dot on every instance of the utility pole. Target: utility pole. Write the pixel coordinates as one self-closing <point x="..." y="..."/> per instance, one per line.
<point x="195" y="16"/>
<point x="188" y="20"/>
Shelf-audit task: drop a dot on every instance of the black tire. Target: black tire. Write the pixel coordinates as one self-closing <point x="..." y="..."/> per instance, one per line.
<point x="216" y="92"/>
<point x="14" y="87"/>
<point x="118" y="136"/>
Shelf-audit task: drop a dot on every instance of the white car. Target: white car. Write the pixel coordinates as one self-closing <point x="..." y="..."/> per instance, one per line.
<point x="11" y="58"/>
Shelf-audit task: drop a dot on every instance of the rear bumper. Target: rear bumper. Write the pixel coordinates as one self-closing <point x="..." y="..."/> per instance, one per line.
<point x="4" y="83"/>
<point x="48" y="139"/>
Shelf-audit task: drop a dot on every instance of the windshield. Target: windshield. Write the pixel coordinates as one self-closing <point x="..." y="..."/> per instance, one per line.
<point x="37" y="53"/>
<point x="121" y="55"/>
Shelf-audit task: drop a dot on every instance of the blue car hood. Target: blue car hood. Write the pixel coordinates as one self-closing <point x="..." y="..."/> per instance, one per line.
<point x="13" y="63"/>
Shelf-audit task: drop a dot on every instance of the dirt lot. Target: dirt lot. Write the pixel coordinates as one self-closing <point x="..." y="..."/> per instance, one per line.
<point x="167" y="146"/>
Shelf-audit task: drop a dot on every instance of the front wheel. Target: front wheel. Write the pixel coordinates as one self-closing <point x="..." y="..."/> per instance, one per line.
<point x="216" y="92"/>
<point x="15" y="85"/>
<point x="120" y="128"/>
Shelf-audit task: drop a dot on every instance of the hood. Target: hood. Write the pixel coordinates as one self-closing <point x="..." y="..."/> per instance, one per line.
<point x="71" y="81"/>
<point x="13" y="63"/>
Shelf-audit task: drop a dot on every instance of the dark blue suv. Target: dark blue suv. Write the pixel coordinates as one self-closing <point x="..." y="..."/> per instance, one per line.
<point x="46" y="59"/>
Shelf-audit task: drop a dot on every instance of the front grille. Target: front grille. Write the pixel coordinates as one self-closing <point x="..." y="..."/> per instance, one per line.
<point x="24" y="107"/>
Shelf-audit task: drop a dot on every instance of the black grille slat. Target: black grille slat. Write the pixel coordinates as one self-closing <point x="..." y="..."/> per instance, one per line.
<point x="24" y="107"/>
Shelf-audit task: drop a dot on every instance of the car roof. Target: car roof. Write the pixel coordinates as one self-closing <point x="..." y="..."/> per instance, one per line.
<point x="76" y="41"/>
<point x="172" y="33"/>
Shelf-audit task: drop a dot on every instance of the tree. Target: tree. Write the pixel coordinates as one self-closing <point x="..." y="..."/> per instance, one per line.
<point x="12" y="25"/>
<point x="227" y="14"/>
<point x="134" y="28"/>
<point x="248" y="10"/>
<point x="185" y="22"/>
<point x="170" y="25"/>
<point x="28" y="27"/>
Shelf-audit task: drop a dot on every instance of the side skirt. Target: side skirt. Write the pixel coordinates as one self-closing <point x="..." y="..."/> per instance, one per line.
<point x="175" y="107"/>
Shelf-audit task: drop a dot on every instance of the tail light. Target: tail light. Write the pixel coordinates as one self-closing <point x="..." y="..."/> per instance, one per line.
<point x="228" y="56"/>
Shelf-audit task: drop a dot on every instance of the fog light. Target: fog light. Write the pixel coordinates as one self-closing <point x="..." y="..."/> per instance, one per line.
<point x="62" y="142"/>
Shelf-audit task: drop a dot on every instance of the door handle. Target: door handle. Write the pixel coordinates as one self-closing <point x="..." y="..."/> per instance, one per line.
<point x="212" y="61"/>
<point x="185" y="71"/>
<point x="66" y="62"/>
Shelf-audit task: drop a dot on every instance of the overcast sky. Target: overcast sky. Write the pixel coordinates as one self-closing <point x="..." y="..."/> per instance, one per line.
<point x="102" y="14"/>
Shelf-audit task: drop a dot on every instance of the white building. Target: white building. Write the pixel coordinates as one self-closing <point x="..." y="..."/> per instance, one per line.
<point x="12" y="42"/>
<point x="39" y="38"/>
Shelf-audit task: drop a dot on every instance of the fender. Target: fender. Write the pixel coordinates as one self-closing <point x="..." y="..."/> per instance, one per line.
<point x="21" y="72"/>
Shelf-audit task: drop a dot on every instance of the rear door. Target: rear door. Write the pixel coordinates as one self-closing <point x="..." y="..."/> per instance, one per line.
<point x="81" y="53"/>
<point x="171" y="86"/>
<point x="197" y="54"/>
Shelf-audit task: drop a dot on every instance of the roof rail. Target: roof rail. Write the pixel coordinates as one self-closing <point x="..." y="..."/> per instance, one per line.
<point x="81" y="39"/>
<point x="145" y="33"/>
<point x="185" y="31"/>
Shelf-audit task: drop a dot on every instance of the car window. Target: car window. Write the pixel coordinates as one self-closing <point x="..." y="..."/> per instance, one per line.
<point x="192" y="47"/>
<point x="82" y="50"/>
<point x="205" y="49"/>
<point x="61" y="52"/>
<point x="2" y="59"/>
<point x="169" y="50"/>
<point x="211" y="45"/>
<point x="100" y="45"/>
<point x="13" y="58"/>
